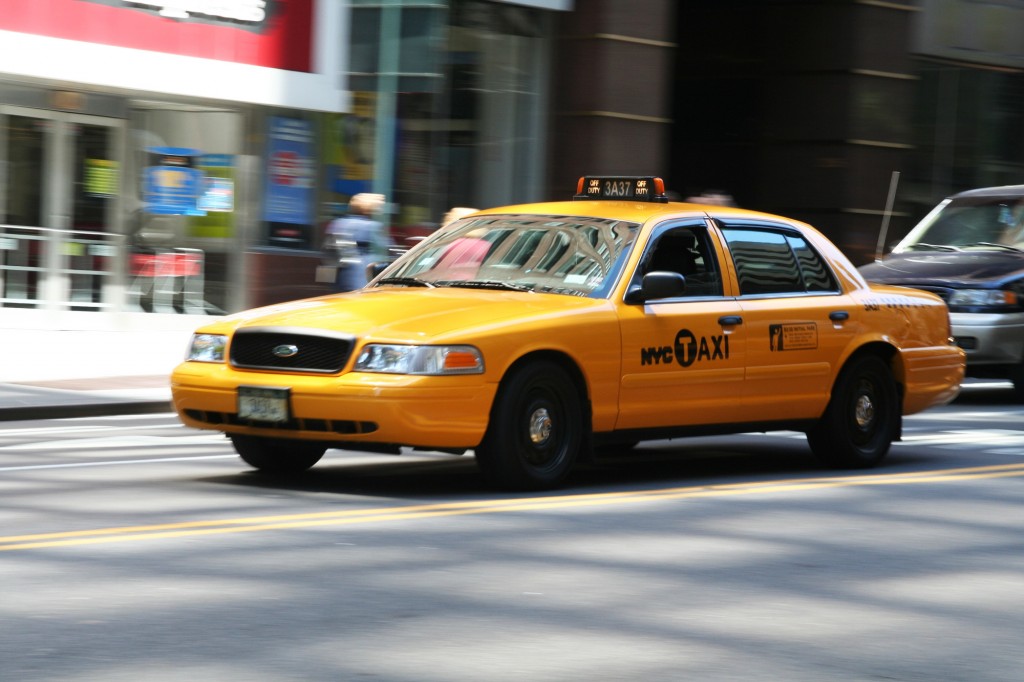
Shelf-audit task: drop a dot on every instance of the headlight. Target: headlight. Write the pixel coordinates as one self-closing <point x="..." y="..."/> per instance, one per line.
<point x="982" y="298"/>
<point x="207" y="348"/>
<point x="429" y="360"/>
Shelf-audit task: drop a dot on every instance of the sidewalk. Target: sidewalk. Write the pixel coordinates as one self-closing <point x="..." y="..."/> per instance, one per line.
<point x="63" y="373"/>
<point x="68" y="398"/>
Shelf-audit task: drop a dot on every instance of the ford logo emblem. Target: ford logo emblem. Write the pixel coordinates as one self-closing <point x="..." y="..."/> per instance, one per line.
<point x="285" y="350"/>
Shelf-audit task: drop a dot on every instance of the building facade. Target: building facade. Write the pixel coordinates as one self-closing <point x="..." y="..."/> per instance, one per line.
<point x="183" y="158"/>
<point x="856" y="116"/>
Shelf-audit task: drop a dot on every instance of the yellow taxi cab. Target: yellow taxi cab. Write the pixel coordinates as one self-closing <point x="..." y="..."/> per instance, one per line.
<point x="534" y="334"/>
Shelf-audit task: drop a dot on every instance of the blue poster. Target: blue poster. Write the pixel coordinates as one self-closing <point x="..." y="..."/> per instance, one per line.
<point x="171" y="183"/>
<point x="290" y="172"/>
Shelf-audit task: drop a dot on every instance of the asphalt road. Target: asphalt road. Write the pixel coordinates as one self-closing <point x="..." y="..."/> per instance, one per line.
<point x="135" y="549"/>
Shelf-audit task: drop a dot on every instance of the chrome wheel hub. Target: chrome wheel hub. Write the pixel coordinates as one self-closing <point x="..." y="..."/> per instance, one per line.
<point x="864" y="411"/>
<point x="540" y="426"/>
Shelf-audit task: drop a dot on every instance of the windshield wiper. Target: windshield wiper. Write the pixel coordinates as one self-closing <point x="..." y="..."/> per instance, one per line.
<point x="485" y="284"/>
<point x="934" y="247"/>
<point x="1008" y="247"/>
<point x="407" y="281"/>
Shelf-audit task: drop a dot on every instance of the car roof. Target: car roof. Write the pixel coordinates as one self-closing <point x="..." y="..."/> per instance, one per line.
<point x="633" y="211"/>
<point x="1001" y="191"/>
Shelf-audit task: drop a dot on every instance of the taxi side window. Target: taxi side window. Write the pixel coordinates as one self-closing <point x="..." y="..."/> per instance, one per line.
<point x="687" y="251"/>
<point x="773" y="262"/>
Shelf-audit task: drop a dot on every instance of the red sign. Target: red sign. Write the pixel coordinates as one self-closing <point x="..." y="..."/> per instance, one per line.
<point x="166" y="264"/>
<point x="273" y="33"/>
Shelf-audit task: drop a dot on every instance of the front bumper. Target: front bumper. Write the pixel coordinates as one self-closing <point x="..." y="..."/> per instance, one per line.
<point x="389" y="410"/>
<point x="989" y="338"/>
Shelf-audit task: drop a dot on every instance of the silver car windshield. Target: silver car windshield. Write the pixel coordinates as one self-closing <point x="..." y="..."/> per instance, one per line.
<point x="969" y="223"/>
<point x="569" y="255"/>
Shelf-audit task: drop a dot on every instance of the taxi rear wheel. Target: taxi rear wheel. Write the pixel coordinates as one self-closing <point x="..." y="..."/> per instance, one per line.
<point x="536" y="429"/>
<point x="277" y="455"/>
<point x="862" y="418"/>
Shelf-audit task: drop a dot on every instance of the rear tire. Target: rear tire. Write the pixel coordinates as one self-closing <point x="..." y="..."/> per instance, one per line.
<point x="1016" y="376"/>
<point x="536" y="429"/>
<point x="277" y="455"/>
<point x="862" y="418"/>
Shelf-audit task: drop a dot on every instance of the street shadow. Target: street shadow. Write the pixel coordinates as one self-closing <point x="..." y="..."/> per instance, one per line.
<point x="372" y="476"/>
<point x="714" y="460"/>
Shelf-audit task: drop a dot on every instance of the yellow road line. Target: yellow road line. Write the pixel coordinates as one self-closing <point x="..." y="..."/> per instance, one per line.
<point x="424" y="511"/>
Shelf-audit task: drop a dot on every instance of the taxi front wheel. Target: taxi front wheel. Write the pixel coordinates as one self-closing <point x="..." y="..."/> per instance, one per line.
<point x="862" y="418"/>
<point x="277" y="455"/>
<point x="535" y="431"/>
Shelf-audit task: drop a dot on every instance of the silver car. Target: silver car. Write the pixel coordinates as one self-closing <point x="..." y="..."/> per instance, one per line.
<point x="970" y="251"/>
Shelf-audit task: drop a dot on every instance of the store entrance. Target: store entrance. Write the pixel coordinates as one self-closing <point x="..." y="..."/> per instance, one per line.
<point x="61" y="244"/>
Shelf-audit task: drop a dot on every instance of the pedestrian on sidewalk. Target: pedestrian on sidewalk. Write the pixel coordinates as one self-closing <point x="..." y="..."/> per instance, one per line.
<point x="354" y="241"/>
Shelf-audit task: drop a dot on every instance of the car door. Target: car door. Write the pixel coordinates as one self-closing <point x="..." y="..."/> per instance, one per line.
<point x="797" y="319"/>
<point x="683" y="357"/>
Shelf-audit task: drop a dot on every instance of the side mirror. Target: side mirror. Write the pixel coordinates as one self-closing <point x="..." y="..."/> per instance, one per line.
<point x="657" y="284"/>
<point x="377" y="267"/>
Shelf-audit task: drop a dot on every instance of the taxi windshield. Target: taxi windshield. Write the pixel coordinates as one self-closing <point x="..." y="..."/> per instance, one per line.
<point x="576" y="256"/>
<point x="968" y="224"/>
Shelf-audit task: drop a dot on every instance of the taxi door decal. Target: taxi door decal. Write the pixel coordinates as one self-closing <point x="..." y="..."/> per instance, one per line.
<point x="793" y="336"/>
<point x="687" y="349"/>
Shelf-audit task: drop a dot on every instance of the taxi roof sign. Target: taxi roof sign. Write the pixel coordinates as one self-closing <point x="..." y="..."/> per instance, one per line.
<point x="624" y="188"/>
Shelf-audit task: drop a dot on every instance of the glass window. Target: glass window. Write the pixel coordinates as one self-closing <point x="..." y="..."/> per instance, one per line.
<point x="816" y="274"/>
<point x="470" y="101"/>
<point x="556" y="249"/>
<point x="991" y="221"/>
<point x="184" y="188"/>
<point x="21" y="197"/>
<point x="421" y="49"/>
<point x="543" y="254"/>
<point x="94" y="193"/>
<point x="364" y="47"/>
<point x="25" y="156"/>
<point x="765" y="262"/>
<point x="688" y="252"/>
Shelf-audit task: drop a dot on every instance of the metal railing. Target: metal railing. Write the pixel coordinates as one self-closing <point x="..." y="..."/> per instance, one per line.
<point x="47" y="268"/>
<point x="43" y="267"/>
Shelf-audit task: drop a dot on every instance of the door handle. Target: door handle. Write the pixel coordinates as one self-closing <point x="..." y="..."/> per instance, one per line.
<point x="839" y="316"/>
<point x="730" y="320"/>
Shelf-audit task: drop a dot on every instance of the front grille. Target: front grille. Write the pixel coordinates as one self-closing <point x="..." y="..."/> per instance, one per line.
<point x="290" y="350"/>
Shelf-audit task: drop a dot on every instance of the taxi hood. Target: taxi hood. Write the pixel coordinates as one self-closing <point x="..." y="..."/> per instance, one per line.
<point x="957" y="269"/>
<point x="413" y="314"/>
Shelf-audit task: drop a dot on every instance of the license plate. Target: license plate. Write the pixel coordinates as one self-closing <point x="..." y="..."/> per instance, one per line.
<point x="263" y="404"/>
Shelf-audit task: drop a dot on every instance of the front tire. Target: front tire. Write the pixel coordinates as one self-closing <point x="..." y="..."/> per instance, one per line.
<point x="277" y="455"/>
<point x="535" y="431"/>
<point x="862" y="418"/>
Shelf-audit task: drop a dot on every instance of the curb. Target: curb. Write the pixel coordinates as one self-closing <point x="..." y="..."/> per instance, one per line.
<point x="99" y="409"/>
